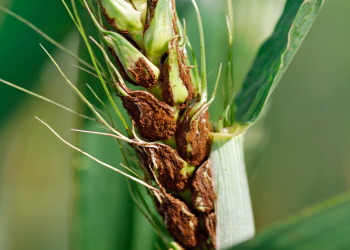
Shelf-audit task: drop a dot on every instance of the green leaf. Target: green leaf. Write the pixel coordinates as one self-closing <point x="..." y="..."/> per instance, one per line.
<point x="274" y="57"/>
<point x="324" y="226"/>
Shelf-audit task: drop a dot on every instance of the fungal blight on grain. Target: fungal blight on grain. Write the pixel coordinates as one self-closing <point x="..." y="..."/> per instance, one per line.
<point x="171" y="171"/>
<point x="176" y="84"/>
<point x="155" y="120"/>
<point x="202" y="189"/>
<point x="193" y="132"/>
<point x="136" y="66"/>
<point x="210" y="228"/>
<point x="193" y="135"/>
<point x="181" y="223"/>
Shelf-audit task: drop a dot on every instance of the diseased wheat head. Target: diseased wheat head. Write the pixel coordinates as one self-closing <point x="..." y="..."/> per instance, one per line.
<point x="148" y="45"/>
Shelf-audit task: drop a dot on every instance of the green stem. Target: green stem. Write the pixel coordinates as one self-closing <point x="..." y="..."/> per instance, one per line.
<point x="233" y="209"/>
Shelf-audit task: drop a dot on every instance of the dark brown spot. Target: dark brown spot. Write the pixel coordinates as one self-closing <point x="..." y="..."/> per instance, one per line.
<point x="143" y="74"/>
<point x="155" y="120"/>
<point x="193" y="138"/>
<point x="180" y="221"/>
<point x="167" y="165"/>
<point x="202" y="189"/>
<point x="210" y="224"/>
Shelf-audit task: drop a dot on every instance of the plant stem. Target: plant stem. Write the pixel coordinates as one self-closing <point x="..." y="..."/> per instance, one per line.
<point x="234" y="215"/>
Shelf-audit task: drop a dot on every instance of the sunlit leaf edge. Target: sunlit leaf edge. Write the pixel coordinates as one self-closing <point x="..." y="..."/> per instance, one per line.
<point x="274" y="57"/>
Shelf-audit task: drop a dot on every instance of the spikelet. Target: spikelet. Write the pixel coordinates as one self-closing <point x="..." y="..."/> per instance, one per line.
<point x="202" y="189"/>
<point x="176" y="86"/>
<point x="137" y="67"/>
<point x="172" y="172"/>
<point x="123" y="17"/>
<point x="180" y="221"/>
<point x="193" y="135"/>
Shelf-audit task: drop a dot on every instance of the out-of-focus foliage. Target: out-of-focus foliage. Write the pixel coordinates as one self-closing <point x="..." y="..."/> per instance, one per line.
<point x="35" y="171"/>
<point x="21" y="57"/>
<point x="324" y="226"/>
<point x="296" y="156"/>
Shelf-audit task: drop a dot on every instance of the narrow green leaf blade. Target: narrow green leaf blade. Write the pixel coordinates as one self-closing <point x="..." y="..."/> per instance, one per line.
<point x="324" y="226"/>
<point x="274" y="57"/>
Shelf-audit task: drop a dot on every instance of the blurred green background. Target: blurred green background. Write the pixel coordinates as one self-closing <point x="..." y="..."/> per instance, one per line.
<point x="297" y="154"/>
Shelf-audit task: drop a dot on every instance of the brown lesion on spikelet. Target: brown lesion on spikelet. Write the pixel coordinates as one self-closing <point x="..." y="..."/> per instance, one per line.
<point x="174" y="18"/>
<point x="181" y="223"/>
<point x="143" y="74"/>
<point x="155" y="120"/>
<point x="121" y="68"/>
<point x="167" y="92"/>
<point x="111" y="21"/>
<point x="196" y="135"/>
<point x="152" y="8"/>
<point x="167" y="165"/>
<point x="185" y="76"/>
<point x="202" y="189"/>
<point x="210" y="227"/>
